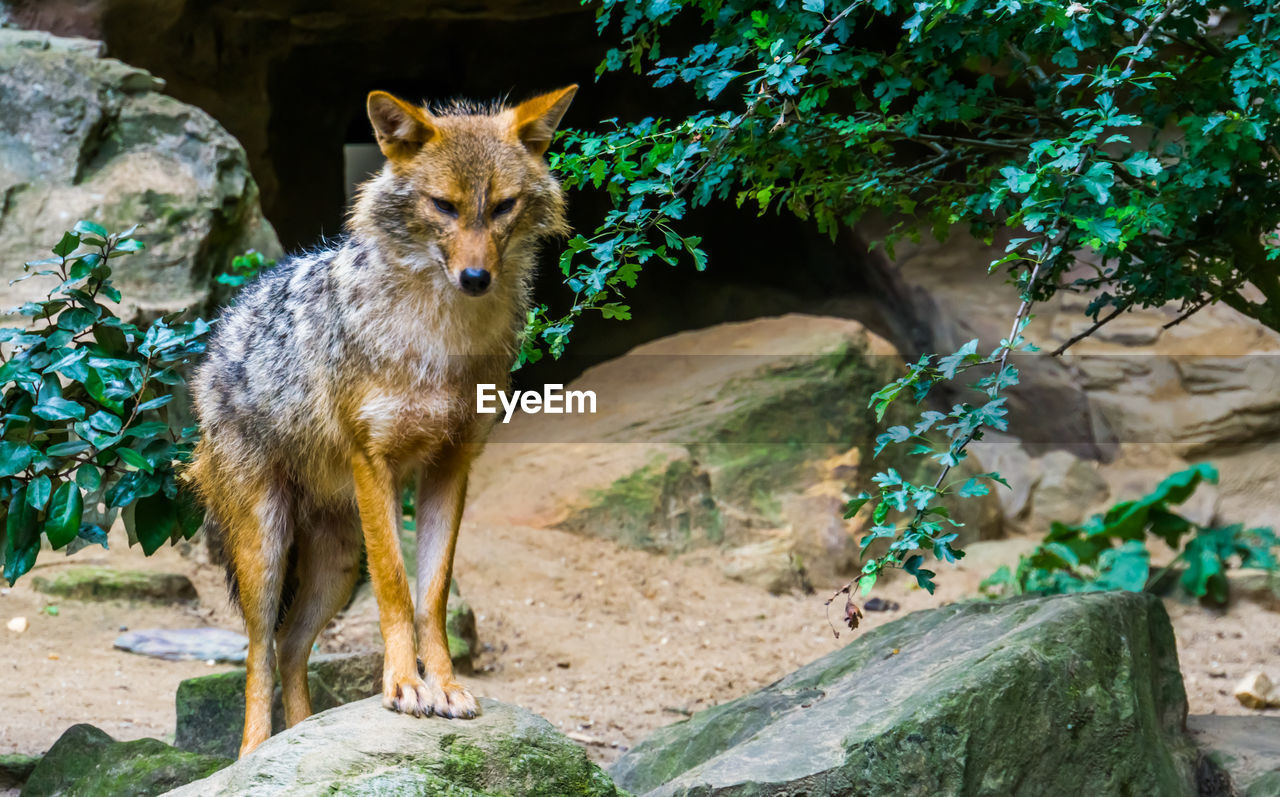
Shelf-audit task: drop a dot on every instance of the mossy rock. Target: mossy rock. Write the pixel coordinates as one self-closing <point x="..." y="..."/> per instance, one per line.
<point x="16" y="768"/>
<point x="86" y="761"/>
<point x="666" y="505"/>
<point x="363" y="749"/>
<point x="756" y="438"/>
<point x="1068" y="695"/>
<point x="210" y="708"/>
<point x="107" y="584"/>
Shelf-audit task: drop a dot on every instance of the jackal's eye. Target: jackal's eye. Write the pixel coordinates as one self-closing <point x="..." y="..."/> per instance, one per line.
<point x="445" y="206"/>
<point x="504" y="207"/>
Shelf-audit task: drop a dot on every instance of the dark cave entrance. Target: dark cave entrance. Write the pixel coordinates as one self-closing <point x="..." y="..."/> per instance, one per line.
<point x="291" y="87"/>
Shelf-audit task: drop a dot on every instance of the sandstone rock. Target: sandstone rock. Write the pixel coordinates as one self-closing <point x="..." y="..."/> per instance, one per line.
<point x="87" y="761"/>
<point x="730" y="436"/>
<point x="86" y="137"/>
<point x="1068" y="489"/>
<point x="106" y="584"/>
<point x="769" y="564"/>
<point x="1066" y="695"/>
<point x="364" y="749"/>
<point x="211" y="708"/>
<point x="1005" y="454"/>
<point x="1255" y="690"/>
<point x="1244" y="753"/>
<point x="1204" y="389"/>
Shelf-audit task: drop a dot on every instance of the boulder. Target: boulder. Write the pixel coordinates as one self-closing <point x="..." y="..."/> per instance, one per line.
<point x="743" y="436"/>
<point x="1244" y="753"/>
<point x="87" y="137"/>
<point x="1065" y="695"/>
<point x="1067" y="489"/>
<point x="109" y="584"/>
<point x="16" y="768"/>
<point x="364" y="749"/>
<point x="211" y="708"/>
<point x="85" y="760"/>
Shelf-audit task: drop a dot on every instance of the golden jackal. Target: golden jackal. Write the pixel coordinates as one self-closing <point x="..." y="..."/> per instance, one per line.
<point x="339" y="374"/>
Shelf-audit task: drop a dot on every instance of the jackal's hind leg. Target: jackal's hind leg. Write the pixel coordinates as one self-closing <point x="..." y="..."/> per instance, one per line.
<point x="328" y="563"/>
<point x="442" y="489"/>
<point x="258" y="537"/>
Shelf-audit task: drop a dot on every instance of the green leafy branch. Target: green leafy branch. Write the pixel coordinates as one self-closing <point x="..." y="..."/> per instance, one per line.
<point x="1109" y="551"/>
<point x="87" y="427"/>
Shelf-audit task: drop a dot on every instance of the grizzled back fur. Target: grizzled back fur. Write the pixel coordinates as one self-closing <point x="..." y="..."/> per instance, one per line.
<point x="384" y="335"/>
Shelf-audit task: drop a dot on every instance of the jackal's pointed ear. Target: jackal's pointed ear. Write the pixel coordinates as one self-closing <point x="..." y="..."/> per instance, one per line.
<point x="401" y="128"/>
<point x="538" y="118"/>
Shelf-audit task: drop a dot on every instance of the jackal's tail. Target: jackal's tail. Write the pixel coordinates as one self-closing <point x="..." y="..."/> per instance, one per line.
<point x="215" y="536"/>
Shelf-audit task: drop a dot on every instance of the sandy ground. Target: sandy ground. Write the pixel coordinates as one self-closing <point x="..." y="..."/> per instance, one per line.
<point x="606" y="643"/>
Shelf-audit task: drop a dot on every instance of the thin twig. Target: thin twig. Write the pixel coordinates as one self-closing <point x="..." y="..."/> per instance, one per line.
<point x="1142" y="41"/>
<point x="1092" y="329"/>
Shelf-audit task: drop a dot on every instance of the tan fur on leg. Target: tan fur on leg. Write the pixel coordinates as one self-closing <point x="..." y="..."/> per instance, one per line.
<point x="328" y="566"/>
<point x="262" y="536"/>
<point x="376" y="495"/>
<point x="442" y="490"/>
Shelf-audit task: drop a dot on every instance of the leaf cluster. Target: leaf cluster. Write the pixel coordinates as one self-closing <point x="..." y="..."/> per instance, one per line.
<point x="1110" y="551"/>
<point x="245" y="268"/>
<point x="1122" y="150"/>
<point x="87" y="431"/>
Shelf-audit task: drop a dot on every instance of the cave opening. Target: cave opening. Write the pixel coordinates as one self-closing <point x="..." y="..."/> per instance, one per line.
<point x="291" y="87"/>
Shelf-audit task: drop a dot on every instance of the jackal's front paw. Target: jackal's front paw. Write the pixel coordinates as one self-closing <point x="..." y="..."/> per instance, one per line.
<point x="409" y="695"/>
<point x="452" y="699"/>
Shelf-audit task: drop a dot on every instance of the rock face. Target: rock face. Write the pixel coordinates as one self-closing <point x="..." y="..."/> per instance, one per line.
<point x="87" y="761"/>
<point x="105" y="584"/>
<point x="86" y="137"/>
<point x="1203" y="389"/>
<point x="363" y="749"/>
<point x="739" y="436"/>
<point x="1066" y="695"/>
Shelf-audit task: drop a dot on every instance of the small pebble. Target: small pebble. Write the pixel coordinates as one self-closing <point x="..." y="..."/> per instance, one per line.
<point x="18" y="624"/>
<point x="1255" y="690"/>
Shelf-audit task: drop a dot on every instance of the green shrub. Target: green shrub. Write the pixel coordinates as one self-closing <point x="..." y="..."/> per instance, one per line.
<point x="1109" y="551"/>
<point x="87" y="428"/>
<point x="245" y="268"/>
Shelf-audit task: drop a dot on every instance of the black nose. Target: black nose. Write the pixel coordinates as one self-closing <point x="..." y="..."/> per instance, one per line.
<point x="475" y="281"/>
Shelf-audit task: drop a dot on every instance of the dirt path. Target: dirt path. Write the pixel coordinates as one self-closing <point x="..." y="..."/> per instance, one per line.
<point x="606" y="643"/>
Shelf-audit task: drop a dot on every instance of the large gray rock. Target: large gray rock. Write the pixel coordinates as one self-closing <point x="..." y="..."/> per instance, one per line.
<point x="86" y="137"/>
<point x="1066" y="695"/>
<point x="364" y="749"/>
<point x="86" y="761"/>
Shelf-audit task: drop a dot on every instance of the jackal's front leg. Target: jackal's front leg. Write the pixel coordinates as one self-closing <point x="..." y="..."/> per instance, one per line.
<point x="402" y="689"/>
<point x="442" y="489"/>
